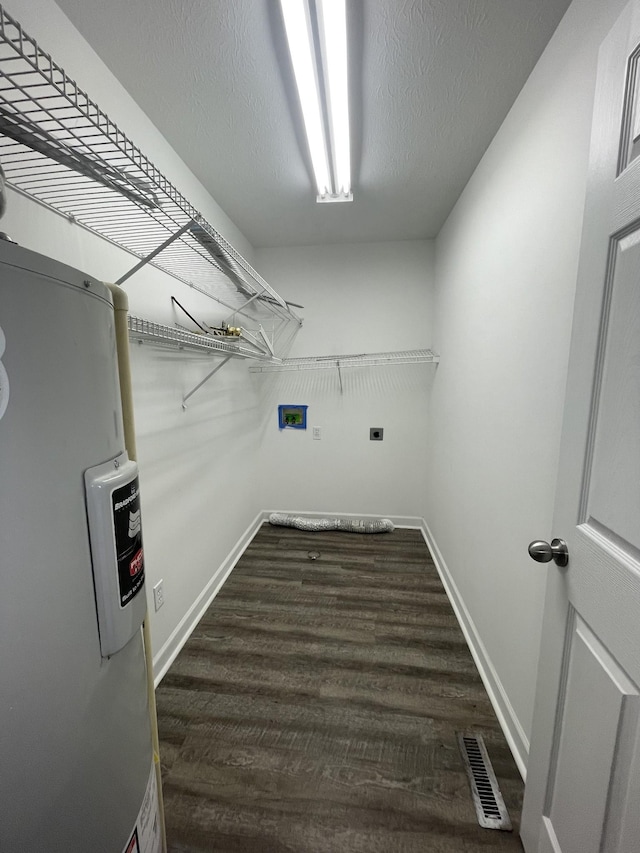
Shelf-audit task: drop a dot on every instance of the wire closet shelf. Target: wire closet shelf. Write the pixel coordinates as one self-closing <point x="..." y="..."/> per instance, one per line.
<point x="326" y="362"/>
<point x="58" y="147"/>
<point x="146" y="330"/>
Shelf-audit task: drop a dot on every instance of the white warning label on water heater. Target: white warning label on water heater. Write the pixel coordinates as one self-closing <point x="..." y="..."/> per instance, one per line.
<point x="146" y="836"/>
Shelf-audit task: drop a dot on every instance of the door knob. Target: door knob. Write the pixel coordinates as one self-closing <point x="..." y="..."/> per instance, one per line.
<point x="542" y="552"/>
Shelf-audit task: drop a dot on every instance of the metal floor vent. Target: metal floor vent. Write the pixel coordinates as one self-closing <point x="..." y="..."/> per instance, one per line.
<point x="490" y="808"/>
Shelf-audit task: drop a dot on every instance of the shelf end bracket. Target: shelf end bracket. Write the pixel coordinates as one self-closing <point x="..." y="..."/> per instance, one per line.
<point x="201" y="383"/>
<point x="155" y="252"/>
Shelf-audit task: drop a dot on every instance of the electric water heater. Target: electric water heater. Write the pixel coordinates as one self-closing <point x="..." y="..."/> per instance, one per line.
<point x="76" y="772"/>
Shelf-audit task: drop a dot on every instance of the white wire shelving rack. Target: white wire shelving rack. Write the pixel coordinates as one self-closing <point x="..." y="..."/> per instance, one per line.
<point x="59" y="148"/>
<point x="325" y="362"/>
<point x="339" y="362"/>
<point x="169" y="336"/>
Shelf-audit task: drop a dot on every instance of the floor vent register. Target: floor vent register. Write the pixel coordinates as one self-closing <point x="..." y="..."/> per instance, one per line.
<point x="490" y="807"/>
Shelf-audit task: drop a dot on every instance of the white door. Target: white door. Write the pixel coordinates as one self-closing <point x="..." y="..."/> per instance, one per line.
<point x="583" y="783"/>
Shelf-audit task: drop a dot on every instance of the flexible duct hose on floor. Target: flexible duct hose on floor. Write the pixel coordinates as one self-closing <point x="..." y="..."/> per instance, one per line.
<point x="315" y="525"/>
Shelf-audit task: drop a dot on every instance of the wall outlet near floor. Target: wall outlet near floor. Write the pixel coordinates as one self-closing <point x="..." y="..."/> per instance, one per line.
<point x="158" y="595"/>
<point x="376" y="434"/>
<point x="317" y="433"/>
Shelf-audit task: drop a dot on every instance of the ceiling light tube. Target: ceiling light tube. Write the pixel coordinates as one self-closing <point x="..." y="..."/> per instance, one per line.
<point x="297" y="23"/>
<point x="332" y="25"/>
<point x="328" y="146"/>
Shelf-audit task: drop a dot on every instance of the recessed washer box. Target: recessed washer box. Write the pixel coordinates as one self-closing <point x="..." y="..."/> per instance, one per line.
<point x="292" y="417"/>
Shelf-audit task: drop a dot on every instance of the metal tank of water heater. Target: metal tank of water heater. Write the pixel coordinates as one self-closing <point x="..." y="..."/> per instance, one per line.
<point x="76" y="772"/>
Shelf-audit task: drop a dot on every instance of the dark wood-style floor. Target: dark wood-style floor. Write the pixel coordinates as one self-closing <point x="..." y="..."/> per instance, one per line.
<point x="315" y="707"/>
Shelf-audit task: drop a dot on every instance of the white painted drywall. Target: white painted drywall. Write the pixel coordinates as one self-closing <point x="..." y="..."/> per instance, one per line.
<point x="196" y="467"/>
<point x="358" y="298"/>
<point x="505" y="272"/>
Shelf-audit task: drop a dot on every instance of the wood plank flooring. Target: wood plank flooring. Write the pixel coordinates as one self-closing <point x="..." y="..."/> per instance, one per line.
<point x="315" y="707"/>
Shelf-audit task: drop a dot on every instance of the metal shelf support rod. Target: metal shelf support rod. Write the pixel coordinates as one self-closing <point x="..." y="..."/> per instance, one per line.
<point x="239" y="310"/>
<point x="155" y="252"/>
<point x="206" y="379"/>
<point x="253" y="341"/>
<point x="340" y="376"/>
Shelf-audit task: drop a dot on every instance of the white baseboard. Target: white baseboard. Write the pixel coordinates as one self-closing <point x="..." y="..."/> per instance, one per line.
<point x="168" y="653"/>
<point x="513" y="731"/>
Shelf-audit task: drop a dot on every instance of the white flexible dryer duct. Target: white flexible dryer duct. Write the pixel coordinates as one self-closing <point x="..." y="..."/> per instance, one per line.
<point x="315" y="525"/>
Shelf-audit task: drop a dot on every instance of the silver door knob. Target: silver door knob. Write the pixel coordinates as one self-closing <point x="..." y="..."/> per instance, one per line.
<point x="542" y="552"/>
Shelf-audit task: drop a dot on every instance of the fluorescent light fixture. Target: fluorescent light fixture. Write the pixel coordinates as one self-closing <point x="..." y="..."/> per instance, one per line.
<point x="321" y="78"/>
<point x="332" y="20"/>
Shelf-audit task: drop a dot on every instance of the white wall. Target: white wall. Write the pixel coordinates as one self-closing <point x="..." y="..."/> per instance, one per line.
<point x="505" y="272"/>
<point x="360" y="298"/>
<point x="191" y="463"/>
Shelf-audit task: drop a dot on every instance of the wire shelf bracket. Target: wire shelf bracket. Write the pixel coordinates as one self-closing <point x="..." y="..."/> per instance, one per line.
<point x="155" y="252"/>
<point x="201" y="383"/>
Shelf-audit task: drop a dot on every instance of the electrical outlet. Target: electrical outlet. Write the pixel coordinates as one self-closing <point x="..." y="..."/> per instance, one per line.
<point x="376" y="433"/>
<point x="158" y="595"/>
<point x="317" y="433"/>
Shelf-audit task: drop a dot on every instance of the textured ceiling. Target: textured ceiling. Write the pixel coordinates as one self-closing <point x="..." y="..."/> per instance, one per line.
<point x="431" y="82"/>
